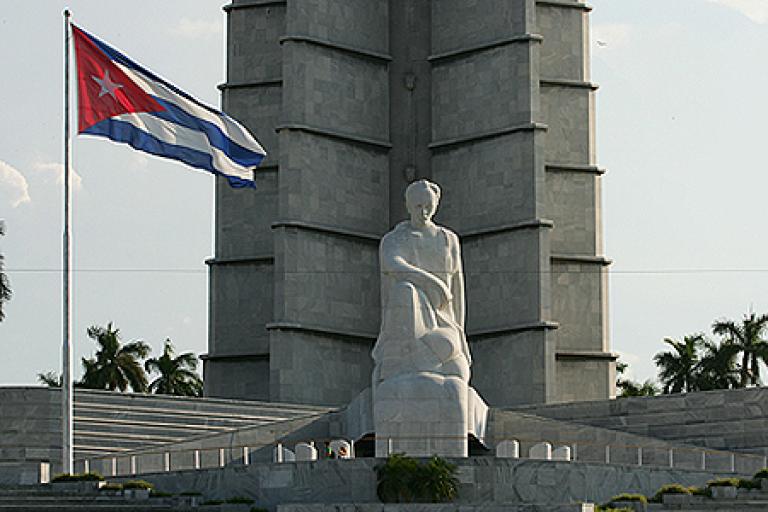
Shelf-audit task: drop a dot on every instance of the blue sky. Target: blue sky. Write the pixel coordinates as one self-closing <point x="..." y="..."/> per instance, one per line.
<point x="681" y="129"/>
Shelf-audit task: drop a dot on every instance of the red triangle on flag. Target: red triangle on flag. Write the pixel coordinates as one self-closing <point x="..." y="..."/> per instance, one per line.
<point x="103" y="89"/>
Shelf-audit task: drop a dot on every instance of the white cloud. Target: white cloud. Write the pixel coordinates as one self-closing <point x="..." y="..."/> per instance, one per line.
<point x="13" y="185"/>
<point x="57" y="170"/>
<point x="611" y="35"/>
<point x="756" y="10"/>
<point x="197" y="28"/>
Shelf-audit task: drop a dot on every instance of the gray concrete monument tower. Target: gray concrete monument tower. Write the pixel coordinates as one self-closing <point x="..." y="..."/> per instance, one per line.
<point x="354" y="99"/>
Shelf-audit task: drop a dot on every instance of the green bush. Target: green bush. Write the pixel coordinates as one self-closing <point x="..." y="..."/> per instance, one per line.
<point x="161" y="494"/>
<point x="763" y="473"/>
<point x="723" y="482"/>
<point x="91" y="476"/>
<point x="608" y="508"/>
<point x="191" y="493"/>
<point x="403" y="479"/>
<point x="213" y="502"/>
<point x="669" y="489"/>
<point x="747" y="483"/>
<point x="439" y="484"/>
<point x="112" y="486"/>
<point x="629" y="497"/>
<point x="241" y="500"/>
<point x="138" y="484"/>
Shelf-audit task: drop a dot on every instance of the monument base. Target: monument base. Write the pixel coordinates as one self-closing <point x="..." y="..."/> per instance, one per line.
<point x="417" y="426"/>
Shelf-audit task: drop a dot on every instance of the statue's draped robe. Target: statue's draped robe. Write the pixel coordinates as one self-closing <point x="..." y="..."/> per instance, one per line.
<point x="422" y="402"/>
<point x="417" y="335"/>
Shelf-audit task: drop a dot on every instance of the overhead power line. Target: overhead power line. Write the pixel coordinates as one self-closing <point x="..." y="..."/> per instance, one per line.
<point x="669" y="271"/>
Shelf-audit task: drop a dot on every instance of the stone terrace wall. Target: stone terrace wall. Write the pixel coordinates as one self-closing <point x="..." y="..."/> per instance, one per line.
<point x="482" y="480"/>
<point x="734" y="420"/>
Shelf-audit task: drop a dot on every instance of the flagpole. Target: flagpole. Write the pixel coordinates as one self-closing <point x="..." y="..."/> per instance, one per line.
<point x="66" y="384"/>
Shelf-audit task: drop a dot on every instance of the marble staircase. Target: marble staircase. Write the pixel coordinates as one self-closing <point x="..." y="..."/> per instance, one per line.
<point x="734" y="420"/>
<point x="110" y="422"/>
<point x="116" y="422"/>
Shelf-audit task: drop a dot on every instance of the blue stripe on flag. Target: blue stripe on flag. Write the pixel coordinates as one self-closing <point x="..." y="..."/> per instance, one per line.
<point x="213" y="133"/>
<point x="120" y="131"/>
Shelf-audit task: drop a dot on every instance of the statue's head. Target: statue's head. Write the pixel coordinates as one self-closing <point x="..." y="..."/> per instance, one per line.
<point x="421" y="199"/>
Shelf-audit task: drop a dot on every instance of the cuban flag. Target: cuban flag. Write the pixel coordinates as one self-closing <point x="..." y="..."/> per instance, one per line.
<point x="125" y="102"/>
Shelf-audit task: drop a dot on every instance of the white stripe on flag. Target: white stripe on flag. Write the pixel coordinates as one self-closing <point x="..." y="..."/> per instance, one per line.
<point x="181" y="136"/>
<point x="229" y="126"/>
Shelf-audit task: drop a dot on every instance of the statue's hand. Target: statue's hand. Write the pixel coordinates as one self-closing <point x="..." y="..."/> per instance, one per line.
<point x="439" y="294"/>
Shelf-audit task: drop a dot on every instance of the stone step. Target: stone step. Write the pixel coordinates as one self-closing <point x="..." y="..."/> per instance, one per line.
<point x="163" y="409"/>
<point x="152" y="415"/>
<point x="213" y="405"/>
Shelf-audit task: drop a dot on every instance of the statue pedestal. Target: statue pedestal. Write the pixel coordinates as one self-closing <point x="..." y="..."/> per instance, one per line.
<point x="421" y="415"/>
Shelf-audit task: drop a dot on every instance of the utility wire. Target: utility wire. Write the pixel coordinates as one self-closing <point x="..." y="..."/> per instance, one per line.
<point x="670" y="271"/>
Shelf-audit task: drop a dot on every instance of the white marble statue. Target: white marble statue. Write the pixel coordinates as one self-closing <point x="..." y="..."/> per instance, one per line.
<point x="422" y="402"/>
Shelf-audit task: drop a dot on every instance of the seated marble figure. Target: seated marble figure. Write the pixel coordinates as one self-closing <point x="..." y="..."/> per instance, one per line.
<point x="422" y="402"/>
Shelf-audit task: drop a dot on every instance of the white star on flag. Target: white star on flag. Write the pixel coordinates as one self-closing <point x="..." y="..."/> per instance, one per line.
<point x="107" y="85"/>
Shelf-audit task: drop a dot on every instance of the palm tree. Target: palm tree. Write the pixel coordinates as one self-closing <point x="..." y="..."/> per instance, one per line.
<point x="678" y="368"/>
<point x="115" y="366"/>
<point x="5" y="285"/>
<point x="748" y="338"/>
<point x="178" y="375"/>
<point x="50" y="379"/>
<point x="631" y="388"/>
<point x="718" y="368"/>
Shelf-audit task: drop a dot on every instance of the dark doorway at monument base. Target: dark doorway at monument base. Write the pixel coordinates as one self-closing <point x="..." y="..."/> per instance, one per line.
<point x="365" y="447"/>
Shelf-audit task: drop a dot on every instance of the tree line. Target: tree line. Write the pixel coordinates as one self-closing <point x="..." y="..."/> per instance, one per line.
<point x="698" y="363"/>
<point x="116" y="367"/>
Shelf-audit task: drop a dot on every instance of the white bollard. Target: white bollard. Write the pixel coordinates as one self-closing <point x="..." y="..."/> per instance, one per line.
<point x="541" y="451"/>
<point x="508" y="449"/>
<point x="562" y="453"/>
<point x="305" y="452"/>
